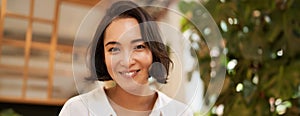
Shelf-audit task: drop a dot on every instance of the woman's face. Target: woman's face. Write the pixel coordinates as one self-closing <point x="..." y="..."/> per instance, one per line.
<point x="126" y="55"/>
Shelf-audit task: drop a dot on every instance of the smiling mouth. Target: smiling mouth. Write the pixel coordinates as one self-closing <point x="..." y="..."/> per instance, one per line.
<point x="129" y="74"/>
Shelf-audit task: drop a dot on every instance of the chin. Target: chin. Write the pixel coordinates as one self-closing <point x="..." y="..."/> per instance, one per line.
<point x="135" y="88"/>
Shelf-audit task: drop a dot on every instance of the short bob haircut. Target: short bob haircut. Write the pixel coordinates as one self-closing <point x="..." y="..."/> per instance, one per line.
<point x="150" y="34"/>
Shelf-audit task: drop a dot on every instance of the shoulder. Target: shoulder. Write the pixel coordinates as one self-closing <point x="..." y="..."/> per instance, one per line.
<point x="81" y="99"/>
<point x="93" y="103"/>
<point x="166" y="100"/>
<point x="72" y="106"/>
<point x="78" y="105"/>
<point x="168" y="104"/>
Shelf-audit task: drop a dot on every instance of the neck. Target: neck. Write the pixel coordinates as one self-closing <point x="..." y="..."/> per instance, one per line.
<point x="128" y="100"/>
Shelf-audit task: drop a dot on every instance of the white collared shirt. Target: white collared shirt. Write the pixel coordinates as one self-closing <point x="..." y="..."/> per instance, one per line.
<point x="96" y="103"/>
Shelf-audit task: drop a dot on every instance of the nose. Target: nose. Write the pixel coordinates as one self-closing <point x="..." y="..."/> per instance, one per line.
<point x="128" y="59"/>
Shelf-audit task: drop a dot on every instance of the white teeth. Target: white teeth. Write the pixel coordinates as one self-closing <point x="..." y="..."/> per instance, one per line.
<point x="129" y="73"/>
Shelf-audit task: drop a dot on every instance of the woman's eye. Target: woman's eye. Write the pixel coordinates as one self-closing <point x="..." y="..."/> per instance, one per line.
<point x="140" y="47"/>
<point x="114" y="49"/>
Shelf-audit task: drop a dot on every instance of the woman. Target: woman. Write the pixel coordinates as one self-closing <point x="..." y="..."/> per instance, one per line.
<point x="126" y="45"/>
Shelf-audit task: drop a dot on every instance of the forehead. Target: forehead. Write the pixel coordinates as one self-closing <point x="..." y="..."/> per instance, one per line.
<point x="122" y="29"/>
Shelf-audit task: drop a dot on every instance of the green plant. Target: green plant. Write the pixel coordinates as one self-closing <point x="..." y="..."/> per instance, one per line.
<point x="262" y="38"/>
<point x="8" y="112"/>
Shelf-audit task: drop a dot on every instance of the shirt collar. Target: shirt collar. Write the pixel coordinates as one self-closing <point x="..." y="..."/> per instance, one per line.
<point x="98" y="103"/>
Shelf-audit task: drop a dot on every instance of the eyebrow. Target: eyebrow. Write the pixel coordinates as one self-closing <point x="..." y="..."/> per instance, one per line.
<point x="136" y="40"/>
<point x="112" y="42"/>
<point x="115" y="42"/>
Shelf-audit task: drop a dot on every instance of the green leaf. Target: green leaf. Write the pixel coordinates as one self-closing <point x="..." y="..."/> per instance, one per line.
<point x="248" y="91"/>
<point x="9" y="112"/>
<point x="183" y="7"/>
<point x="287" y="104"/>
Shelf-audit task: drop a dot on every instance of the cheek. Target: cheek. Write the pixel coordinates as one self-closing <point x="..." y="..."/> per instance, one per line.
<point x="109" y="64"/>
<point x="146" y="59"/>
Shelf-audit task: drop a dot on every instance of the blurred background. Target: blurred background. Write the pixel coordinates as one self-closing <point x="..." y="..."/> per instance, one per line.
<point x="36" y="42"/>
<point x="261" y="40"/>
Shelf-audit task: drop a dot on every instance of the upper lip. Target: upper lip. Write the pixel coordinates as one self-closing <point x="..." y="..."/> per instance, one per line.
<point x="128" y="71"/>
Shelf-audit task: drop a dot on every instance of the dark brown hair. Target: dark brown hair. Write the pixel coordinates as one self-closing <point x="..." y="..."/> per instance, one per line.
<point x="150" y="34"/>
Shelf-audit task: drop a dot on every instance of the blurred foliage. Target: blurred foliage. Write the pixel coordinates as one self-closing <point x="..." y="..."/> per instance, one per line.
<point x="9" y="112"/>
<point x="263" y="37"/>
